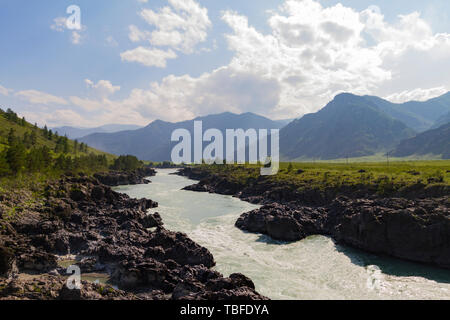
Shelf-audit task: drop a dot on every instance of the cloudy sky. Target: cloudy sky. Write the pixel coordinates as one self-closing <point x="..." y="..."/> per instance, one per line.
<point x="134" y="61"/>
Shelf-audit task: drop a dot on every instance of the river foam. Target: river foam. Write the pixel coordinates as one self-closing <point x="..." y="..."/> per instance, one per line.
<point x="314" y="268"/>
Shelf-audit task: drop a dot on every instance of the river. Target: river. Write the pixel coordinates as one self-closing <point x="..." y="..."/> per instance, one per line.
<point x="314" y="268"/>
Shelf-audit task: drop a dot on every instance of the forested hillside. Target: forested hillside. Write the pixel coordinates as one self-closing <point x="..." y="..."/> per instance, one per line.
<point x="26" y="148"/>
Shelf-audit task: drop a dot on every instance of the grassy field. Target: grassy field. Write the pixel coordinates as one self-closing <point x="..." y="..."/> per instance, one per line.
<point x="375" y="175"/>
<point x="379" y="157"/>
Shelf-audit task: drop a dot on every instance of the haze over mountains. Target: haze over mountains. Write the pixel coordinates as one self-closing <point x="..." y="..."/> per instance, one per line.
<point x="154" y="141"/>
<point x="349" y="126"/>
<point x="435" y="141"/>
<point x="76" y="133"/>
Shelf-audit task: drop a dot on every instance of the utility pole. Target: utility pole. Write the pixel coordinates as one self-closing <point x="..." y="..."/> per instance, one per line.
<point x="387" y="157"/>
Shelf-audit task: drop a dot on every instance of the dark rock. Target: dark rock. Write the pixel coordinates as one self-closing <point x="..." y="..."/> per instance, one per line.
<point x="412" y="230"/>
<point x="179" y="248"/>
<point x="38" y="261"/>
<point x="7" y="262"/>
<point x="152" y="221"/>
<point x="108" y="232"/>
<point x="116" y="178"/>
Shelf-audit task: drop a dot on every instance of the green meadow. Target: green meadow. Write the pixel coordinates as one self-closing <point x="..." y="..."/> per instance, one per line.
<point x="383" y="177"/>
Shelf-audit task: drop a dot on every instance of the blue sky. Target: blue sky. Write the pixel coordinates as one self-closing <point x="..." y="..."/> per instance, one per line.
<point x="242" y="63"/>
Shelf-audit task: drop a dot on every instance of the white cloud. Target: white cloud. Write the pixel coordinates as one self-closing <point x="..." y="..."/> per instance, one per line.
<point x="315" y="52"/>
<point x="417" y="95"/>
<point x="148" y="57"/>
<point x="60" y="25"/>
<point x="103" y="88"/>
<point x="310" y="53"/>
<point x="76" y="37"/>
<point x="136" y="35"/>
<point x="182" y="25"/>
<point x="4" y="91"/>
<point x="39" y="97"/>
<point x="56" y="118"/>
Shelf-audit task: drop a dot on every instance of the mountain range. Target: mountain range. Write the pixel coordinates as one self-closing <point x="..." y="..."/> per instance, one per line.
<point x="349" y="126"/>
<point x="432" y="142"/>
<point x="76" y="133"/>
<point x="442" y="121"/>
<point x="154" y="141"/>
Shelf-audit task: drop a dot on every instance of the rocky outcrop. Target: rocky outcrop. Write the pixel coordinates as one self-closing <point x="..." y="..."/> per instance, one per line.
<point x="283" y="222"/>
<point x="413" y="224"/>
<point x="117" y="178"/>
<point x="7" y="262"/>
<point x="110" y="233"/>
<point x="49" y="287"/>
<point x="416" y="230"/>
<point x="265" y="190"/>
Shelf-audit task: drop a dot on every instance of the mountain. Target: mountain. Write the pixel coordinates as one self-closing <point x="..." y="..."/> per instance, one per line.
<point x="442" y="121"/>
<point x="432" y="142"/>
<point x="153" y="142"/>
<point x="76" y="133"/>
<point x="417" y="115"/>
<point x="283" y="123"/>
<point x="349" y="126"/>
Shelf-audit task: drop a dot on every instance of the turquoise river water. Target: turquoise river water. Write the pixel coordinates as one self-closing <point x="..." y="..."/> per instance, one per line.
<point x="314" y="268"/>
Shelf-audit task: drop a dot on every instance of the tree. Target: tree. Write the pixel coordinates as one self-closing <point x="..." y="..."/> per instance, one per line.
<point x="126" y="163"/>
<point x="11" y="137"/>
<point x="16" y="157"/>
<point x="4" y="166"/>
<point x="33" y="138"/>
<point x="66" y="148"/>
<point x="290" y="167"/>
<point x="46" y="156"/>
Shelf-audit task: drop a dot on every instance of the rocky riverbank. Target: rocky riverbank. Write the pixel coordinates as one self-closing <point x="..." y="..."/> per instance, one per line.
<point x="414" y="225"/>
<point x="120" y="178"/>
<point x="85" y="223"/>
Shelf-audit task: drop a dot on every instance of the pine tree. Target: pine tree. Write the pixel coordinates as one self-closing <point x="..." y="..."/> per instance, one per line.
<point x="11" y="137"/>
<point x="33" y="138"/>
<point x="16" y="157"/>
<point x="4" y="166"/>
<point x="66" y="145"/>
<point x="290" y="167"/>
<point x="46" y="156"/>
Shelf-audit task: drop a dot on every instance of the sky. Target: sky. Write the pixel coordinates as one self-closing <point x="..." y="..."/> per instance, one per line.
<point x="135" y="61"/>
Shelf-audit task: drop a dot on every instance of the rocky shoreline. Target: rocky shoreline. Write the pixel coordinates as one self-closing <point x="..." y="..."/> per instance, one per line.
<point x="414" y="226"/>
<point x="85" y="223"/>
<point x="119" y="178"/>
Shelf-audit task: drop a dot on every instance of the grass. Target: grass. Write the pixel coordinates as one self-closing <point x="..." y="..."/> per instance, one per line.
<point x="377" y="176"/>
<point x="6" y="125"/>
<point x="379" y="157"/>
